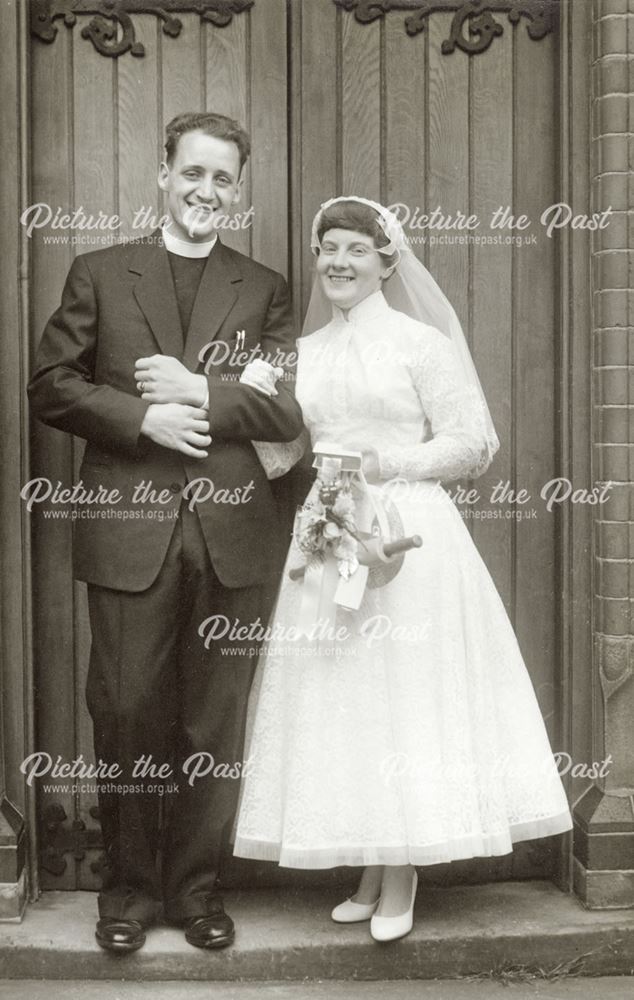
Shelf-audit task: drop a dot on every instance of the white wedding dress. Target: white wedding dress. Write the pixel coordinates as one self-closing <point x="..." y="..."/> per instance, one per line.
<point x="426" y="745"/>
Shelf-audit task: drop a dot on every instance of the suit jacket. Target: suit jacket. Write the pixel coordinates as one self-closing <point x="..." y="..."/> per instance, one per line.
<point x="119" y="305"/>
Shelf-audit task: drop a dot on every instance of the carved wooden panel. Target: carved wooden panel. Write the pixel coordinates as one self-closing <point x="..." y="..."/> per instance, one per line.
<point x="112" y="30"/>
<point x="474" y="24"/>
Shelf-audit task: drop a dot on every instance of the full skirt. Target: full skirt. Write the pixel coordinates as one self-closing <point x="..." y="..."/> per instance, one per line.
<point x="416" y="737"/>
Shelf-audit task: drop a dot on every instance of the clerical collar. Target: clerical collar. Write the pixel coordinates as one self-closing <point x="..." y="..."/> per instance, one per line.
<point x="183" y="249"/>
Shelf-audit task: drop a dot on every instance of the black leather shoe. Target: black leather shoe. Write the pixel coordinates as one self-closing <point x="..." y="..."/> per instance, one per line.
<point x="119" y="934"/>
<point x="214" y="930"/>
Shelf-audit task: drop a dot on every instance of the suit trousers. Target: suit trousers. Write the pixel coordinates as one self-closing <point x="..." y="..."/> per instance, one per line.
<point x="155" y="691"/>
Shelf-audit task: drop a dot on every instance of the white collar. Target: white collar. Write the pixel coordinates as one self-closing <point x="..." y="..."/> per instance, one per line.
<point x="184" y="249"/>
<point x="368" y="308"/>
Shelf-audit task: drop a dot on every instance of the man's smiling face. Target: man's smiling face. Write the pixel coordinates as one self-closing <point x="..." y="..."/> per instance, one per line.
<point x="202" y="184"/>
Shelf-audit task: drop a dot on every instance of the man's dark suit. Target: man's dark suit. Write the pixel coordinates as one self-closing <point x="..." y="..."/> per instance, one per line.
<point x="153" y="687"/>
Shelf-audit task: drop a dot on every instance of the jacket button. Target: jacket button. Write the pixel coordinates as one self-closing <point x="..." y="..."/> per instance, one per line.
<point x="175" y="487"/>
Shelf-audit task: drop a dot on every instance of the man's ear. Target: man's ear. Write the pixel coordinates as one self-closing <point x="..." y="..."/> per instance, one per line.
<point x="238" y="191"/>
<point x="163" y="175"/>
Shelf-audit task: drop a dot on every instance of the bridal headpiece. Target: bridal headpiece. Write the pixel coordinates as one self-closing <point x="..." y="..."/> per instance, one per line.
<point x="410" y="289"/>
<point x="387" y="220"/>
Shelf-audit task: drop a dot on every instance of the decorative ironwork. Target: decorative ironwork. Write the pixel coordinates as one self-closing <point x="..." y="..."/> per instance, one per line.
<point x="60" y="838"/>
<point x="111" y="30"/>
<point x="473" y="27"/>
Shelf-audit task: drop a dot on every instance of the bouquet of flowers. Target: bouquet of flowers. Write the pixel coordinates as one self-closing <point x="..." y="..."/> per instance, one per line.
<point x="345" y="536"/>
<point x="325" y="525"/>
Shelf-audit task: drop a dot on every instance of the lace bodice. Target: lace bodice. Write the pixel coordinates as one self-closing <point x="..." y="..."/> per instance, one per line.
<point x="378" y="379"/>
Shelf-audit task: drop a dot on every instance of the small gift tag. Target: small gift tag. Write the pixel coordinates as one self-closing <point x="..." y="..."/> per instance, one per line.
<point x="325" y="452"/>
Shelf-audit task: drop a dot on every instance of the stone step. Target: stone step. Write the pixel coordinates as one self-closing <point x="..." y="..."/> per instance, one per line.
<point x="602" y="988"/>
<point x="507" y="929"/>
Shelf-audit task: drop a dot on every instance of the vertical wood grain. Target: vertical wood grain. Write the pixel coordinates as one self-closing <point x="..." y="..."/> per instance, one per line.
<point x="14" y="523"/>
<point x="448" y="162"/>
<point x="182" y="84"/>
<point x="491" y="129"/>
<point x="534" y="418"/>
<point x="318" y="123"/>
<point x="138" y="113"/>
<point x="361" y="109"/>
<point x="404" y="138"/>
<point x="225" y="83"/>
<point x="269" y="134"/>
<point x="52" y="171"/>
<point x="534" y="367"/>
<point x="94" y="181"/>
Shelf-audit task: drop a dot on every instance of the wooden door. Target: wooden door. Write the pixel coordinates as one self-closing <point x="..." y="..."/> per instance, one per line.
<point x="97" y="141"/>
<point x="379" y="113"/>
<point x="333" y="106"/>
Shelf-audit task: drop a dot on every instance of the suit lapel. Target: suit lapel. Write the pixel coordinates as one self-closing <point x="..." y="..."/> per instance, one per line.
<point x="154" y="292"/>
<point x="217" y="293"/>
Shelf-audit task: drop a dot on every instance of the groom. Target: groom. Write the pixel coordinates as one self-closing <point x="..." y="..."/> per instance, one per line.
<point x="183" y="525"/>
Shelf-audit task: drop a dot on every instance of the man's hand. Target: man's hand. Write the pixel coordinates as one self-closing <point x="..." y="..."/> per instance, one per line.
<point x="166" y="380"/>
<point x="181" y="428"/>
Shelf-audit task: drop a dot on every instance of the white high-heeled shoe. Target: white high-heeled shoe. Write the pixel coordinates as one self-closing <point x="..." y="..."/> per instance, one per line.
<point x="391" y="928"/>
<point x="350" y="912"/>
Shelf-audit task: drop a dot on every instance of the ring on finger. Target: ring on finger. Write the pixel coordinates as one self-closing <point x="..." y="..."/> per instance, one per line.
<point x="141" y="387"/>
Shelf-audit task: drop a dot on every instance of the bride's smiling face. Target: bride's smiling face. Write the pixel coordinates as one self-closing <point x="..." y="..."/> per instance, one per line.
<point x="349" y="267"/>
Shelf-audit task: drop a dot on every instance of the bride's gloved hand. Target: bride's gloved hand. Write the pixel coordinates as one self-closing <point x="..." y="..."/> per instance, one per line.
<point x="370" y="465"/>
<point x="261" y="375"/>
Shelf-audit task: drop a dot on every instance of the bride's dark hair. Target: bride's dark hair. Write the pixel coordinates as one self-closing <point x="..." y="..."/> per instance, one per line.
<point x="359" y="218"/>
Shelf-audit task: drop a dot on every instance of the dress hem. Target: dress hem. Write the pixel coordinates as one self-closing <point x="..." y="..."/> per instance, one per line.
<point x="459" y="849"/>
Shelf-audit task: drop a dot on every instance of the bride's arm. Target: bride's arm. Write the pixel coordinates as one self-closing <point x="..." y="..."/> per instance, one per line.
<point x="277" y="457"/>
<point x="455" y="415"/>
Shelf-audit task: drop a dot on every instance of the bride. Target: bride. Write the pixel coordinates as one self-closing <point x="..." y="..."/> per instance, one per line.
<point x="416" y="738"/>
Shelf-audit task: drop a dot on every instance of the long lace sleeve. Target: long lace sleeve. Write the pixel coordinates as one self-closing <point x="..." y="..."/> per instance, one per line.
<point x="278" y="457"/>
<point x="455" y="416"/>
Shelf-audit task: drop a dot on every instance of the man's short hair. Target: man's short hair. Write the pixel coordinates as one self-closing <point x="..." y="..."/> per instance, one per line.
<point x="218" y="126"/>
